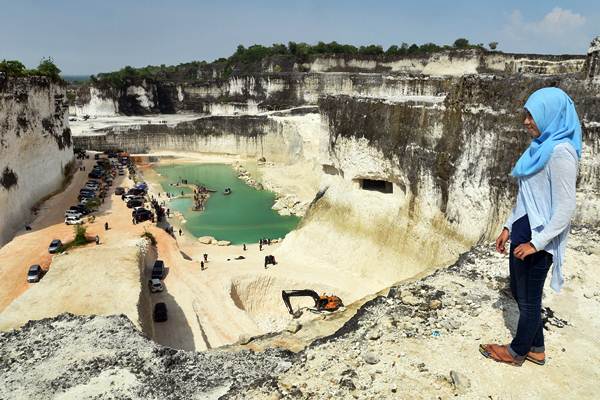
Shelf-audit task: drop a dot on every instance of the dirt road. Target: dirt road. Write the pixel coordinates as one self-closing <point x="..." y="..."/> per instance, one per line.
<point x="31" y="247"/>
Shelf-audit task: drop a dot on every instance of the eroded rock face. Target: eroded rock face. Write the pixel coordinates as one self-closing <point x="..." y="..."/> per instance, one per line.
<point x="283" y="82"/>
<point x="36" y="147"/>
<point x="592" y="63"/>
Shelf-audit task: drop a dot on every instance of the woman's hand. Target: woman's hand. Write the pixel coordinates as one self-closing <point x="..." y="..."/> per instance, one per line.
<point x="524" y="250"/>
<point x="501" y="241"/>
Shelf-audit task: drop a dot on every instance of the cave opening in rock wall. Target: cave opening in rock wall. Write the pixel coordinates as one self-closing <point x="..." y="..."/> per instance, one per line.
<point x="376" y="185"/>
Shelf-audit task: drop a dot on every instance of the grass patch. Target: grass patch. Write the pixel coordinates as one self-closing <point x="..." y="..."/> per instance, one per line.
<point x="80" y="239"/>
<point x="149" y="236"/>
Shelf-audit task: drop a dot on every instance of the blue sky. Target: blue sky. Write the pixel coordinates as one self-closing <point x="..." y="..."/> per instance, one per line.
<point x="87" y="37"/>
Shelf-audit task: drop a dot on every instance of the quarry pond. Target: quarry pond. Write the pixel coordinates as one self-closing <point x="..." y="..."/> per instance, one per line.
<point x="244" y="216"/>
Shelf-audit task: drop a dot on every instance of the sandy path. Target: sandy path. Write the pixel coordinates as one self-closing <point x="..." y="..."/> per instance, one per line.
<point x="31" y="247"/>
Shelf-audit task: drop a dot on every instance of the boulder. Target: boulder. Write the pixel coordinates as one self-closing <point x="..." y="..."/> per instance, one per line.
<point x="435" y="304"/>
<point x="223" y="242"/>
<point x="294" y="327"/>
<point x="206" y="239"/>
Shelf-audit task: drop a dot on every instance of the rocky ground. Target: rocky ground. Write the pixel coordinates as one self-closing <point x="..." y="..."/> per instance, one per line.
<point x="419" y="341"/>
<point x="71" y="357"/>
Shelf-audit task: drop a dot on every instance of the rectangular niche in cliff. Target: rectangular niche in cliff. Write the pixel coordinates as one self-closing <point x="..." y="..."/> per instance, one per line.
<point x="376" y="185"/>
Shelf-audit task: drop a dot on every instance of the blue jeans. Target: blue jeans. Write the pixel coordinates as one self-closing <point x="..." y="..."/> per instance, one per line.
<point x="527" y="284"/>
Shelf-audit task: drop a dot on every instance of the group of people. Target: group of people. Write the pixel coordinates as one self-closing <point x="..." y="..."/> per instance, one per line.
<point x="263" y="242"/>
<point x="201" y="195"/>
<point x="202" y="262"/>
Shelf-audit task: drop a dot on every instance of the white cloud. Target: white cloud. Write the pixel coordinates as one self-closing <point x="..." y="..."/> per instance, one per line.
<point x="560" y="29"/>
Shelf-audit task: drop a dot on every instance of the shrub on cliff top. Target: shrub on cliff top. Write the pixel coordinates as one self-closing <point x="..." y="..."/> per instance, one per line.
<point x="246" y="58"/>
<point x="13" y="68"/>
<point x="16" y="68"/>
<point x="49" y="69"/>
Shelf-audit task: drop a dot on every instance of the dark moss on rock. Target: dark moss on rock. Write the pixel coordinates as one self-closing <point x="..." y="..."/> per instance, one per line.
<point x="8" y="179"/>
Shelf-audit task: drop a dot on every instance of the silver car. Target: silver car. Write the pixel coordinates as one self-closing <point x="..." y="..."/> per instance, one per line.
<point x="34" y="274"/>
<point x="155" y="285"/>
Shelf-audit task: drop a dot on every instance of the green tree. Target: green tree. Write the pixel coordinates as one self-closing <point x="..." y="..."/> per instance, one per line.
<point x="48" y="68"/>
<point x="292" y="47"/>
<point x="80" y="238"/>
<point x="413" y="49"/>
<point x="461" y="43"/>
<point x="393" y="50"/>
<point x="493" y="45"/>
<point x="371" y="50"/>
<point x="13" y="68"/>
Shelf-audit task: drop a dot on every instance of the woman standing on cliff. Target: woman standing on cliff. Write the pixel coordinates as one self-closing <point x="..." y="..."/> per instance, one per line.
<point x="539" y="223"/>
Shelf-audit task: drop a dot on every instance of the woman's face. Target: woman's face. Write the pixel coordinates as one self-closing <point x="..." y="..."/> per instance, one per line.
<point x="530" y="125"/>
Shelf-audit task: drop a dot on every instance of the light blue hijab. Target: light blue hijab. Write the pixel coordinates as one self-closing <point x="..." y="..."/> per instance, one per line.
<point x="554" y="114"/>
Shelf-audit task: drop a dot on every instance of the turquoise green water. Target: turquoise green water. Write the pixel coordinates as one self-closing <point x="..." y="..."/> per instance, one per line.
<point x="244" y="216"/>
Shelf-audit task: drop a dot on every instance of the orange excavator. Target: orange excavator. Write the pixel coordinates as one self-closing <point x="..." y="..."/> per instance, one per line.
<point x="322" y="303"/>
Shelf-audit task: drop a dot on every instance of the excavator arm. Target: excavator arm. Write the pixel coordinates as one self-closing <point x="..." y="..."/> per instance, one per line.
<point x="322" y="303"/>
<point x="286" y="294"/>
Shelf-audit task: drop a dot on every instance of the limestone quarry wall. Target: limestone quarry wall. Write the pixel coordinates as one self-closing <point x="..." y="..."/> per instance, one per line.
<point x="35" y="147"/>
<point x="448" y="166"/>
<point x="284" y="139"/>
<point x="444" y="143"/>
<point x="278" y="83"/>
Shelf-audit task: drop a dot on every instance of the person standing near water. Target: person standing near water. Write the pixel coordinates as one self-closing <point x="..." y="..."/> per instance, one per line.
<point x="539" y="223"/>
<point x="201" y="265"/>
<point x="205" y="257"/>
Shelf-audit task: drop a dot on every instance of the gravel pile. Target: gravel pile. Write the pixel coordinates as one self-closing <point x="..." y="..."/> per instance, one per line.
<point x="82" y="357"/>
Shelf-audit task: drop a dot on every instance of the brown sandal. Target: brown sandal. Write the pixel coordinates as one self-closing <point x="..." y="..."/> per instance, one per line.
<point x="499" y="353"/>
<point x="534" y="358"/>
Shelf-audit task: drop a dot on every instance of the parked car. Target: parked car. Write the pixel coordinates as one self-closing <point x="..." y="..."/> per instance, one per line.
<point x="86" y="197"/>
<point x="160" y="312"/>
<point x="155" y="285"/>
<point x="142" y="215"/>
<point x="55" y="245"/>
<point x="121" y="172"/>
<point x="73" y="213"/>
<point x="134" y="203"/>
<point x="73" y="221"/>
<point x="137" y="191"/>
<point x="133" y="197"/>
<point x="80" y="208"/>
<point x="34" y="274"/>
<point x="119" y="190"/>
<point x="158" y="270"/>
<point x="87" y="192"/>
